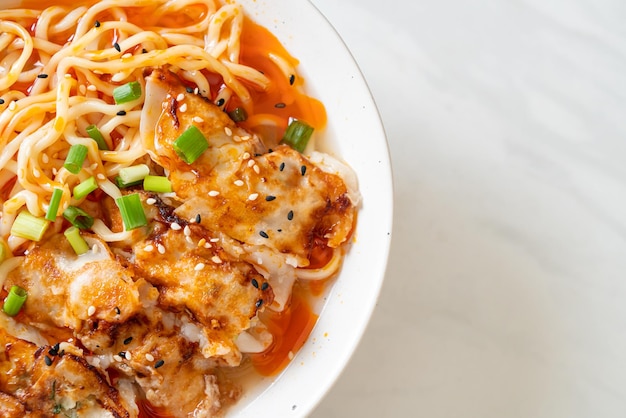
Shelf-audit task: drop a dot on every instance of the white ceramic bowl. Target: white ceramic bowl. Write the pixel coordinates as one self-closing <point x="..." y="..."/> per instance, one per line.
<point x="355" y="134"/>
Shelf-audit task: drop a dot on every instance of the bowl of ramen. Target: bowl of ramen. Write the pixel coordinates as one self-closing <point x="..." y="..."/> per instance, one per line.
<point x="196" y="207"/>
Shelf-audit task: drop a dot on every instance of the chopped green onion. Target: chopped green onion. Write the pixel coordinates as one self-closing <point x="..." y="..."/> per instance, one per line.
<point x="127" y="93"/>
<point x="297" y="135"/>
<point x="95" y="134"/>
<point x="134" y="173"/>
<point x="75" y="158"/>
<point x="85" y="187"/>
<point x="78" y="217"/>
<point x="190" y="144"/>
<point x="77" y="242"/>
<point x="29" y="226"/>
<point x="14" y="300"/>
<point x="120" y="183"/>
<point x="55" y="201"/>
<point x="238" y="114"/>
<point x="131" y="210"/>
<point x="158" y="184"/>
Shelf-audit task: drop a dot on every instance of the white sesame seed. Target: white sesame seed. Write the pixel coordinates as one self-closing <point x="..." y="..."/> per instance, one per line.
<point x="239" y="183"/>
<point x="251" y="163"/>
<point x="189" y="240"/>
<point x="180" y="97"/>
<point x="150" y="201"/>
<point x="95" y="249"/>
<point x="236" y="138"/>
<point x="228" y="131"/>
<point x="198" y="119"/>
<point x="98" y="72"/>
<point x="214" y="193"/>
<point x="36" y="173"/>
<point x="216" y="259"/>
<point x="246" y="155"/>
<point x="196" y="90"/>
<point x="199" y="267"/>
<point x="93" y="166"/>
<point x="290" y="355"/>
<point x="183" y="108"/>
<point x="192" y="220"/>
<point x="187" y="231"/>
<point x="245" y="137"/>
<point x="215" y="239"/>
<point x="68" y="76"/>
<point x="12" y="105"/>
<point x="169" y="96"/>
<point x="117" y="358"/>
<point x="161" y="249"/>
<point x="91" y="310"/>
<point x="256" y="169"/>
<point x="253" y="196"/>
<point x="92" y="87"/>
<point x="54" y="171"/>
<point x="149" y="357"/>
<point x="101" y="176"/>
<point x="207" y="245"/>
<point x="45" y="159"/>
<point x="82" y="89"/>
<point x="148" y="248"/>
<point x="127" y="55"/>
<point x="128" y="356"/>
<point x="175" y="226"/>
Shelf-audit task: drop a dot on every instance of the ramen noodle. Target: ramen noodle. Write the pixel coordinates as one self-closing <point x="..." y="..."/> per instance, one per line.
<point x="160" y="203"/>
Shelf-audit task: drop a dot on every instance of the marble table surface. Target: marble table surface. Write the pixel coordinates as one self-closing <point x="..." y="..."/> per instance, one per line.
<point x="505" y="294"/>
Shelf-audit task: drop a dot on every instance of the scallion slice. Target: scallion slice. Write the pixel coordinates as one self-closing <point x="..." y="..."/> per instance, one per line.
<point x="77" y="242"/>
<point x="157" y="184"/>
<point x="14" y="300"/>
<point x="134" y="173"/>
<point x="122" y="185"/>
<point x="297" y="135"/>
<point x="75" y="158"/>
<point x="29" y="226"/>
<point x="127" y="93"/>
<point x="78" y="217"/>
<point x="238" y="114"/>
<point x="85" y="187"/>
<point x="131" y="210"/>
<point x="55" y="201"/>
<point x="95" y="134"/>
<point x="190" y="144"/>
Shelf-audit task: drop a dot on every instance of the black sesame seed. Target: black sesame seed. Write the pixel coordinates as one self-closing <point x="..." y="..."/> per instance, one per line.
<point x="198" y="218"/>
<point x="264" y="234"/>
<point x="264" y="286"/>
<point x="282" y="166"/>
<point x="303" y="170"/>
<point x="144" y="50"/>
<point x="292" y="79"/>
<point x="220" y="102"/>
<point x="117" y="310"/>
<point x="128" y="340"/>
<point x="159" y="364"/>
<point x="1" y="101"/>
<point x="121" y="113"/>
<point x="56" y="347"/>
<point x="53" y="352"/>
<point x="280" y="105"/>
<point x="279" y="230"/>
<point x="259" y="303"/>
<point x="97" y="24"/>
<point x="270" y="198"/>
<point x="117" y="47"/>
<point x="256" y="154"/>
<point x="255" y="283"/>
<point x="42" y="75"/>
<point x="122" y="354"/>
<point x="269" y="150"/>
<point x="290" y="215"/>
<point x="189" y="89"/>
<point x="48" y="361"/>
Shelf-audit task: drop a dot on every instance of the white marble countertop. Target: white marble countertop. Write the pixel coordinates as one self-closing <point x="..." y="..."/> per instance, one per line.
<point x="505" y="294"/>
